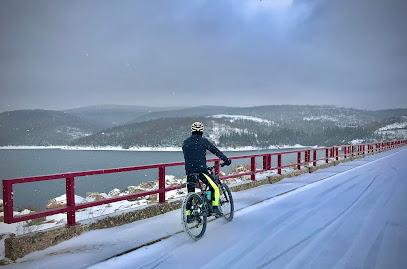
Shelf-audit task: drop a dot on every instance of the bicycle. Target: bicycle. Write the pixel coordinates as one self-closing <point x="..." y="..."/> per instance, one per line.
<point x="201" y="204"/>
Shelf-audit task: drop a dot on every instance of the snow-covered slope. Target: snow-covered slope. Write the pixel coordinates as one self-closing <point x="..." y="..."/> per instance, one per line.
<point x="233" y="118"/>
<point x="396" y="129"/>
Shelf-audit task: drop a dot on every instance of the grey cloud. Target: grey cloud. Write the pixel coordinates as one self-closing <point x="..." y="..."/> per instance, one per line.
<point x="58" y="54"/>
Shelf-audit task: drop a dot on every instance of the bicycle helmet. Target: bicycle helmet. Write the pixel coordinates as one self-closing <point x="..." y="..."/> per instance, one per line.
<point x="197" y="127"/>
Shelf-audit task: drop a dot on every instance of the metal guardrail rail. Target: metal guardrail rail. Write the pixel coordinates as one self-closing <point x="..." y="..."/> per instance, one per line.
<point x="305" y="156"/>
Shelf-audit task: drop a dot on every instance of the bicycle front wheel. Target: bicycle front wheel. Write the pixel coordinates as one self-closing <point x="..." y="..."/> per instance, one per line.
<point x="226" y="202"/>
<point x="196" y="226"/>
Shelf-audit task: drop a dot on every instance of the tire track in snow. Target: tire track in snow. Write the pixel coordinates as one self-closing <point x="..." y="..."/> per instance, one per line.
<point x="270" y="261"/>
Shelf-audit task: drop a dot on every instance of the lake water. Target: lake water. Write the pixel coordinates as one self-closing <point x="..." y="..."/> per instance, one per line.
<point x="33" y="162"/>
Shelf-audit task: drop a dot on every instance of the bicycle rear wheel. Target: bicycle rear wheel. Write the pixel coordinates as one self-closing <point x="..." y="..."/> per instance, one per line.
<point x="196" y="228"/>
<point x="226" y="202"/>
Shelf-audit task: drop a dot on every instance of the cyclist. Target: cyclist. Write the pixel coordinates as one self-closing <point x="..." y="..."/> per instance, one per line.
<point x="194" y="149"/>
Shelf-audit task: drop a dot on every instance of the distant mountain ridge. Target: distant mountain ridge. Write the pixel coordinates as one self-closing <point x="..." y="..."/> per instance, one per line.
<point x="289" y="115"/>
<point x="114" y="115"/>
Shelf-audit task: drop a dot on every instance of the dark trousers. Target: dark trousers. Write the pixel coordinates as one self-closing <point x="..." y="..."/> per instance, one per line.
<point x="194" y="178"/>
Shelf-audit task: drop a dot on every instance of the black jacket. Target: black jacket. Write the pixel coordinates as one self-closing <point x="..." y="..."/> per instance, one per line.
<point x="194" y="149"/>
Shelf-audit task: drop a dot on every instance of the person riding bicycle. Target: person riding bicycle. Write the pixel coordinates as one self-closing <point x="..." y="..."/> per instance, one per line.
<point x="194" y="149"/>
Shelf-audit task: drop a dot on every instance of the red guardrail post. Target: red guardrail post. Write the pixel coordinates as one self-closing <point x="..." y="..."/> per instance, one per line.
<point x="344" y="152"/>
<point x="337" y="153"/>
<point x="161" y="184"/>
<point x="279" y="163"/>
<point x="8" y="201"/>
<point x="269" y="162"/>
<point x="299" y="160"/>
<point x="217" y="169"/>
<point x="265" y="159"/>
<point x="315" y="157"/>
<point x="253" y="168"/>
<point x="309" y="156"/>
<point x="326" y="155"/>
<point x="70" y="200"/>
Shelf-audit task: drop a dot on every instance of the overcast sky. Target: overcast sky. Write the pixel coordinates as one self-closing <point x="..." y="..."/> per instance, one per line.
<point x="64" y="54"/>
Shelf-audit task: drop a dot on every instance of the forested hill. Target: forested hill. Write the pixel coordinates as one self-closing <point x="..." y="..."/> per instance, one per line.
<point x="225" y="131"/>
<point x="289" y="115"/>
<point x="228" y="126"/>
<point x="42" y="128"/>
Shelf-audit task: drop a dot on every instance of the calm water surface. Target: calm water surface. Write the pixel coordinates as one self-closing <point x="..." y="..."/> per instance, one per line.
<point x="33" y="162"/>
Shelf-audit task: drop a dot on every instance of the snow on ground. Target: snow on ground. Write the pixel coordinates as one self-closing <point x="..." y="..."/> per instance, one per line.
<point x="90" y="214"/>
<point x="233" y="118"/>
<point x="355" y="217"/>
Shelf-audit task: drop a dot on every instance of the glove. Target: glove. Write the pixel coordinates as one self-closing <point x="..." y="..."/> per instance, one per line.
<point x="228" y="162"/>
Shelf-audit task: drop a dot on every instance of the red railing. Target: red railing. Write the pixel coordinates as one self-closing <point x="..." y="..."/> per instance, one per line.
<point x="71" y="207"/>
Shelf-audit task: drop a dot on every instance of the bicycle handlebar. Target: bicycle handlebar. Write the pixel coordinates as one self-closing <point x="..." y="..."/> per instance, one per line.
<point x="215" y="166"/>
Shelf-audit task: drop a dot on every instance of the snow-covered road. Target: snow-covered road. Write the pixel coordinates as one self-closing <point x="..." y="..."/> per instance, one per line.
<point x="352" y="219"/>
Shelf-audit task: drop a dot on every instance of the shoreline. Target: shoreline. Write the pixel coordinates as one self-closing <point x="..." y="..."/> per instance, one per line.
<point x="173" y="149"/>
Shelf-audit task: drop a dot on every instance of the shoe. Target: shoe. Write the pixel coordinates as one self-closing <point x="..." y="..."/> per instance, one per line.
<point x="217" y="212"/>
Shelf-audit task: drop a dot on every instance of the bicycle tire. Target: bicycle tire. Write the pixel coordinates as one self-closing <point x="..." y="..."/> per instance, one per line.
<point x="226" y="202"/>
<point x="197" y="228"/>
